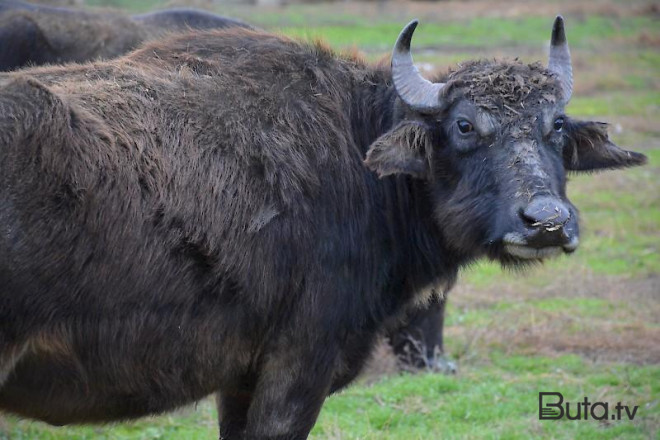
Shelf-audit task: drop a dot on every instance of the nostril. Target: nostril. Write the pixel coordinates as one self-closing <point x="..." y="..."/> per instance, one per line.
<point x="529" y="217"/>
<point x="546" y="212"/>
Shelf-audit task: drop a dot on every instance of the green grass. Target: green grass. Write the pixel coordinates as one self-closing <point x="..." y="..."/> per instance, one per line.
<point x="617" y="104"/>
<point x="499" y="400"/>
<point x="191" y="424"/>
<point x="494" y="400"/>
<point x="480" y="32"/>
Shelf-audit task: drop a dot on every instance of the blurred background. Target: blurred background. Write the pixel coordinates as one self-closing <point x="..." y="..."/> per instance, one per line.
<point x="583" y="325"/>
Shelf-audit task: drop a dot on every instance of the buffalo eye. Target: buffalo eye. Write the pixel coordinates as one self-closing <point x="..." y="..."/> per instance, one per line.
<point x="464" y="126"/>
<point x="558" y="124"/>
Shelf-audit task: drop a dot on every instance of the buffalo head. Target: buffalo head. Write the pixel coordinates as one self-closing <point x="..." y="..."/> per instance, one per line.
<point x="493" y="143"/>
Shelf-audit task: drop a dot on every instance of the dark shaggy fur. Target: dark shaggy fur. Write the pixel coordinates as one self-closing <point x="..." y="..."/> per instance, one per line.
<point x="35" y="35"/>
<point x="197" y="217"/>
<point x="182" y="19"/>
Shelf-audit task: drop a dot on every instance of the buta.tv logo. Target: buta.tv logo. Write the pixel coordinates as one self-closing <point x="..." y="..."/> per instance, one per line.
<point x="552" y="407"/>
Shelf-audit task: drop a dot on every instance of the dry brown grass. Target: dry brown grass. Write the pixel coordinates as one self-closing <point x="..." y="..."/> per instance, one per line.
<point x="629" y="333"/>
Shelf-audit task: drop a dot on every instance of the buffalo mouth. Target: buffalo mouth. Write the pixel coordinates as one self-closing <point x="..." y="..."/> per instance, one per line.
<point x="517" y="246"/>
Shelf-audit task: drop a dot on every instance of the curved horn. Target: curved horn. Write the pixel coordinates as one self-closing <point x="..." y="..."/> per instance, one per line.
<point x="419" y="93"/>
<point x="559" y="60"/>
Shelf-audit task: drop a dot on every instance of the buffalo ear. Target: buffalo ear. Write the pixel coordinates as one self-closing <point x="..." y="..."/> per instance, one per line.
<point x="404" y="149"/>
<point x="588" y="148"/>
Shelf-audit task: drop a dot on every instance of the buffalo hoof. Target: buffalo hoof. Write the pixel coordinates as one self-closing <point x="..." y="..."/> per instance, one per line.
<point x="444" y="365"/>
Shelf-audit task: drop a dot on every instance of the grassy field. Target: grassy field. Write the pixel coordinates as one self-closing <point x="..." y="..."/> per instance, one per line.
<point x="583" y="325"/>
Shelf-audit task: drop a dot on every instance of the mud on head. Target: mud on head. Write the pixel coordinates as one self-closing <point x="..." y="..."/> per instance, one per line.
<point x="494" y="144"/>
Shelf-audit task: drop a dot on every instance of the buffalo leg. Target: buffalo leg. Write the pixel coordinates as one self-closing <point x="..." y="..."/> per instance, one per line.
<point x="418" y="344"/>
<point x="232" y="414"/>
<point x="9" y="357"/>
<point x="290" y="391"/>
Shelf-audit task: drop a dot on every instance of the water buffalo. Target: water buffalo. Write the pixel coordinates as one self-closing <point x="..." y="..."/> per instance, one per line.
<point x="36" y="34"/>
<point x="181" y="19"/>
<point x="236" y="212"/>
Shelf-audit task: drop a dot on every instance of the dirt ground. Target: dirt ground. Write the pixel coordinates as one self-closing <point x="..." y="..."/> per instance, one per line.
<point x="623" y="336"/>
